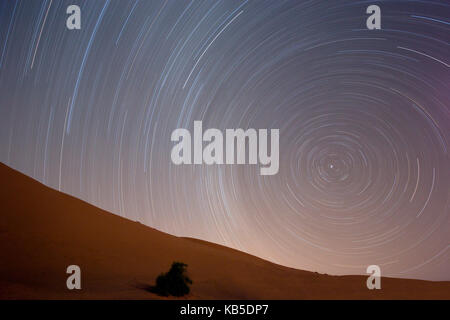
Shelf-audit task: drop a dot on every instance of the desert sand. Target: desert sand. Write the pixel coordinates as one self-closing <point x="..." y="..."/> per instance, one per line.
<point x="42" y="231"/>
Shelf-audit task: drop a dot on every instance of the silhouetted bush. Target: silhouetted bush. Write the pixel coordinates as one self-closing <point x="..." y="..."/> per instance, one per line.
<point x="175" y="282"/>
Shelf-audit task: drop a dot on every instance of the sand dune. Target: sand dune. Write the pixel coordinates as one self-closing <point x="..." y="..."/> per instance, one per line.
<point x="42" y="231"/>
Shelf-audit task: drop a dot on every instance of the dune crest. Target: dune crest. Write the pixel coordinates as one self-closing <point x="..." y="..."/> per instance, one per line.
<point x="42" y="231"/>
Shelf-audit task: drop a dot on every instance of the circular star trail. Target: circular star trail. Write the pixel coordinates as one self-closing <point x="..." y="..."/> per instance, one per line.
<point x="364" y="120"/>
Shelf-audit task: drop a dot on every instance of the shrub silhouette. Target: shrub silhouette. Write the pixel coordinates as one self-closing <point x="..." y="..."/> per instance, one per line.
<point x="175" y="282"/>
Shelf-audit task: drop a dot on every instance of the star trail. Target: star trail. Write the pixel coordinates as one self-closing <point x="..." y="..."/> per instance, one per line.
<point x="363" y="116"/>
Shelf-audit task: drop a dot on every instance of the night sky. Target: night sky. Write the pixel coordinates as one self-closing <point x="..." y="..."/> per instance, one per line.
<point x="364" y="119"/>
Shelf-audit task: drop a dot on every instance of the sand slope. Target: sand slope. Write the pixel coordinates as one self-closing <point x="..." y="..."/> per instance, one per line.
<point x="42" y="231"/>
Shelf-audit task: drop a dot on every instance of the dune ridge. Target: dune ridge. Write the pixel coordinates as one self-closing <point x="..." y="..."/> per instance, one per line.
<point x="42" y="231"/>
